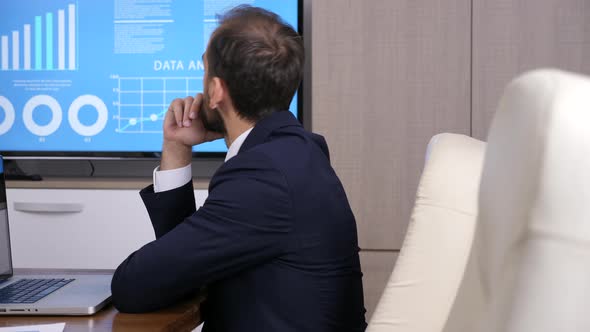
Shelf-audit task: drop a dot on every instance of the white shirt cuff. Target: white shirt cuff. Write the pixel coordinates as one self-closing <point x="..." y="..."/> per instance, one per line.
<point x="171" y="179"/>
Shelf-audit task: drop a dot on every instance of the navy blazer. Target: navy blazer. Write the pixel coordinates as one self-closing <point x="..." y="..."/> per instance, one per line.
<point x="275" y="242"/>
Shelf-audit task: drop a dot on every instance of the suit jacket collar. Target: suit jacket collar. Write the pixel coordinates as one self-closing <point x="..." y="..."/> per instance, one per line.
<point x="264" y="127"/>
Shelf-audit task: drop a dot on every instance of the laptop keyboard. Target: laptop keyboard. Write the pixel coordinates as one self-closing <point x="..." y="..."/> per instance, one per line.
<point x="30" y="290"/>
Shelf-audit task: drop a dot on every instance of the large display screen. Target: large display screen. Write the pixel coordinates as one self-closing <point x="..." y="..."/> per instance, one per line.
<point x="98" y="76"/>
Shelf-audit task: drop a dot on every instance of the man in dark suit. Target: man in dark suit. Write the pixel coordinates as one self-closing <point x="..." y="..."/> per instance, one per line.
<point x="275" y="243"/>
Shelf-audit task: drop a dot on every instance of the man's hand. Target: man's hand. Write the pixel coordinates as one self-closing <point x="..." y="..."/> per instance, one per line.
<point x="183" y="129"/>
<point x="183" y="124"/>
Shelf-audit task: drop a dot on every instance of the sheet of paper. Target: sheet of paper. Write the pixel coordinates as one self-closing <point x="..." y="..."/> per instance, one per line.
<point x="58" y="327"/>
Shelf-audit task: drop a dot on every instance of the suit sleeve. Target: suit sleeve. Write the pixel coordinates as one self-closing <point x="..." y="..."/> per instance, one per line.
<point x="244" y="222"/>
<point x="170" y="208"/>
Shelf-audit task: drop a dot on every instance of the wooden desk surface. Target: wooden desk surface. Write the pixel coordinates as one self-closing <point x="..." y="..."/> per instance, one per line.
<point x="94" y="183"/>
<point x="182" y="317"/>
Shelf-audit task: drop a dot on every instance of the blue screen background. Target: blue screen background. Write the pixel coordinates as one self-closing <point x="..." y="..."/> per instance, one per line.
<point x="130" y="62"/>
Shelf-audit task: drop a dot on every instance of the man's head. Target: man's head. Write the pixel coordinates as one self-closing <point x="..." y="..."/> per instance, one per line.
<point x="258" y="59"/>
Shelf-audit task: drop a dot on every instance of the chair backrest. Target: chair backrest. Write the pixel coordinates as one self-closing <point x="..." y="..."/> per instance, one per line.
<point x="533" y="253"/>
<point x="422" y="287"/>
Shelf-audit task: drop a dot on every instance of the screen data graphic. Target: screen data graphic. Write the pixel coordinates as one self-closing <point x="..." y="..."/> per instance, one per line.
<point x="98" y="76"/>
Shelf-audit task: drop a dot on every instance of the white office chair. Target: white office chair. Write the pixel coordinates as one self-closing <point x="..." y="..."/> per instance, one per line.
<point x="433" y="258"/>
<point x="529" y="251"/>
<point x="534" y="207"/>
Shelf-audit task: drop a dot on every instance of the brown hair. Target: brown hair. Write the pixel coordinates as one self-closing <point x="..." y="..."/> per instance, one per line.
<point x="259" y="57"/>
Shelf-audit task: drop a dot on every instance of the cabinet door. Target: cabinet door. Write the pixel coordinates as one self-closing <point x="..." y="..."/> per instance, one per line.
<point x="377" y="267"/>
<point x="90" y="229"/>
<point x="511" y="37"/>
<point x="387" y="76"/>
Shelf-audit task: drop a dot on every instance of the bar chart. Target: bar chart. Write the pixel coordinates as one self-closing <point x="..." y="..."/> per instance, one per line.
<point x="42" y="44"/>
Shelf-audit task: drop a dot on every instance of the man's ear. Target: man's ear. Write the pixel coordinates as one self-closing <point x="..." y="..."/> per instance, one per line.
<point x="217" y="92"/>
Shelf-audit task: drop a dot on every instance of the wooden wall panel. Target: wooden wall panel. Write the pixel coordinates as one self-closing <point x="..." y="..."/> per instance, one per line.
<point x="377" y="267"/>
<point x="387" y="76"/>
<point x="510" y="37"/>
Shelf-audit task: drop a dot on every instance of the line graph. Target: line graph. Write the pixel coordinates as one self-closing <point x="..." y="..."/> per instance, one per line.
<point x="134" y="121"/>
<point x="143" y="101"/>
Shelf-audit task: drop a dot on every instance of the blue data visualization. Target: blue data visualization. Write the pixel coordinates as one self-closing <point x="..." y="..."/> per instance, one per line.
<point x="98" y="76"/>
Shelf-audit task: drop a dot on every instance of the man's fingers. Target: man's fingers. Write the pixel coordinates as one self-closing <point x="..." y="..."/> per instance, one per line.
<point x="196" y="106"/>
<point x="177" y="107"/>
<point x="188" y="102"/>
<point x="186" y="110"/>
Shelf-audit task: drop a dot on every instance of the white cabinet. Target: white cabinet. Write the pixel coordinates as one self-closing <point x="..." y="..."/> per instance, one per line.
<point x="77" y="228"/>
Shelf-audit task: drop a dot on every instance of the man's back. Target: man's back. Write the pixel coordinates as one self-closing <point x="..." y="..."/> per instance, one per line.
<point x="314" y="284"/>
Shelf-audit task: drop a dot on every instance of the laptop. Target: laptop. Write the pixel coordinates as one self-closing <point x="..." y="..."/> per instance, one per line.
<point x="79" y="294"/>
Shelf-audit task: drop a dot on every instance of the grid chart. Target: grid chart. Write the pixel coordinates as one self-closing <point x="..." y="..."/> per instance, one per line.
<point x="143" y="101"/>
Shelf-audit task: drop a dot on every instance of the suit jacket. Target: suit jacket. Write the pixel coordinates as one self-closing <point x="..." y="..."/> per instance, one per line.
<point x="275" y="242"/>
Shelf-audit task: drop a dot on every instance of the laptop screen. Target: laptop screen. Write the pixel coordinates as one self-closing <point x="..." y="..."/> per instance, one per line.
<point x="5" y="258"/>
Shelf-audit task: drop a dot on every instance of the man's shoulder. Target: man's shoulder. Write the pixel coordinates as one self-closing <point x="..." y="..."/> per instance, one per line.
<point x="255" y="165"/>
<point x="253" y="159"/>
<point x="286" y="155"/>
<point x="294" y="145"/>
